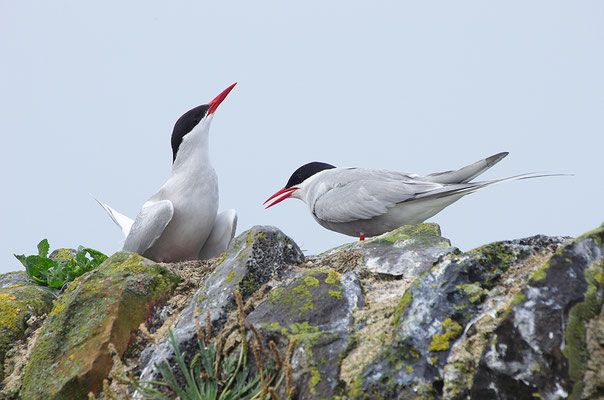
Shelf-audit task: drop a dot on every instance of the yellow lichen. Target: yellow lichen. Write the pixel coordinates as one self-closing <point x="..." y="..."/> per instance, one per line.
<point x="7" y="296"/>
<point x="441" y="342"/>
<point x="311" y="281"/>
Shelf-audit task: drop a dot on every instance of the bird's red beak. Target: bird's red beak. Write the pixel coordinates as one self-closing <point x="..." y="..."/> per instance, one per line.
<point x="286" y="193"/>
<point x="216" y="102"/>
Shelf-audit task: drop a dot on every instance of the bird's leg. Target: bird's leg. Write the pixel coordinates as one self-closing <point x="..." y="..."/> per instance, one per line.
<point x="362" y="238"/>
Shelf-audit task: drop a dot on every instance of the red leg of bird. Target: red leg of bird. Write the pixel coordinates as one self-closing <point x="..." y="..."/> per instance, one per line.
<point x="362" y="238"/>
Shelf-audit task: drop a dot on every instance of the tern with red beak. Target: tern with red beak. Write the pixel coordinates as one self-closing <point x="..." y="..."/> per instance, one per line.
<point x="180" y="221"/>
<point x="366" y="202"/>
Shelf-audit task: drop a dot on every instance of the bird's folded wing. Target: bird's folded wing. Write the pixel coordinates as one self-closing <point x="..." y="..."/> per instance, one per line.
<point x="368" y="196"/>
<point x="148" y="226"/>
<point x="222" y="233"/>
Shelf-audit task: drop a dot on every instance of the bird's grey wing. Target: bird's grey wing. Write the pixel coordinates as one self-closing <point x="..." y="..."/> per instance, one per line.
<point x="364" y="194"/>
<point x="467" y="173"/>
<point x="148" y="226"/>
<point x="222" y="233"/>
<point x="122" y="221"/>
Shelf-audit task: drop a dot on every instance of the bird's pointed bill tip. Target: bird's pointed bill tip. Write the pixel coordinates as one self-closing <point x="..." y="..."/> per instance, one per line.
<point x="218" y="99"/>
<point x="286" y="192"/>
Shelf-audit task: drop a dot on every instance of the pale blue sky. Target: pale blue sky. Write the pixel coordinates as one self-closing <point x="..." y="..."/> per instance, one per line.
<point x="89" y="94"/>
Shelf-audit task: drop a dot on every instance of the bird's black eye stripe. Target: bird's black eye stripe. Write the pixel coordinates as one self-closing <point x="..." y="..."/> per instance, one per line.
<point x="305" y="172"/>
<point x="185" y="124"/>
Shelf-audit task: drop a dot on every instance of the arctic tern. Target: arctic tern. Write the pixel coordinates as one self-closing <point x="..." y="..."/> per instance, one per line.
<point x="368" y="202"/>
<point x="180" y="221"/>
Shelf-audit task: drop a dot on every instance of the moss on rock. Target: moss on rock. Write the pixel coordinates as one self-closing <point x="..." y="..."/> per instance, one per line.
<point x="575" y="347"/>
<point x="17" y="304"/>
<point x="70" y="357"/>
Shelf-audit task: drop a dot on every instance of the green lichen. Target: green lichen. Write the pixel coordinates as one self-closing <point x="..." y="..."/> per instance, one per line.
<point x="105" y="304"/>
<point x="356" y="388"/>
<point x="250" y="239"/>
<point x="303" y="332"/>
<point x="575" y="347"/>
<point x="406" y="232"/>
<point x="403" y="304"/>
<point x="495" y="256"/>
<point x="275" y="326"/>
<point x="230" y="276"/>
<point x="311" y="281"/>
<point x="302" y="293"/>
<point x="519" y="298"/>
<point x="441" y="342"/>
<point x="63" y="254"/>
<point x="314" y="379"/>
<point x="9" y="316"/>
<point x="333" y="277"/>
<point x="222" y="258"/>
<point x="473" y="290"/>
<point x="540" y="273"/>
<point x="336" y="294"/>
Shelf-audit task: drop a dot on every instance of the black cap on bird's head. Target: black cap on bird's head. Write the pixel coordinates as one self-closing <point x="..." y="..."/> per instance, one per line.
<point x="191" y="119"/>
<point x="299" y="176"/>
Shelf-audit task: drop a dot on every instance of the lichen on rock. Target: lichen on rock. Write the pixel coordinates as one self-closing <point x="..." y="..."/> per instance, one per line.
<point x="70" y="357"/>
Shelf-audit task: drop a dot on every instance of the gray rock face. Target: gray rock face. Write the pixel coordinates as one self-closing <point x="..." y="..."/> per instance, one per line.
<point x="401" y="316"/>
<point x="315" y="310"/>
<point x="408" y="250"/>
<point x="13" y="278"/>
<point x="434" y="312"/>
<point x="253" y="258"/>
<point x="541" y="348"/>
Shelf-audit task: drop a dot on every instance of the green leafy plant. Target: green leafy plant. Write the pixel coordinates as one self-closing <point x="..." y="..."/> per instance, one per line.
<point x="55" y="273"/>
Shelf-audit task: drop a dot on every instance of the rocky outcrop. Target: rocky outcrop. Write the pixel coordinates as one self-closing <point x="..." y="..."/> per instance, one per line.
<point x="71" y="356"/>
<point x="21" y="304"/>
<point x="252" y="259"/>
<point x="401" y="316"/>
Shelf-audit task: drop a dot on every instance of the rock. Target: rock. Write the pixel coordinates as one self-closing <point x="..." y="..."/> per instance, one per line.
<point x="401" y="316"/>
<point x="436" y="311"/>
<point x="404" y="251"/>
<point x="315" y="310"/>
<point x="252" y="259"/>
<point x="540" y="350"/>
<point x="13" y="278"/>
<point x="19" y="301"/>
<point x="70" y="357"/>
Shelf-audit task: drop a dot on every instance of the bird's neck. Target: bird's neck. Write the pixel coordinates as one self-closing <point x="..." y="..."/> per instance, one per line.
<point x="193" y="155"/>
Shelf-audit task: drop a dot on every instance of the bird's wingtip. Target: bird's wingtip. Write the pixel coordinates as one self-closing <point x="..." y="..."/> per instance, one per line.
<point x="494" y="159"/>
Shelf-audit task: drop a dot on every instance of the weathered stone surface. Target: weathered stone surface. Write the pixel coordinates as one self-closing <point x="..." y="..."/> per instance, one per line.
<point x="70" y="357"/>
<point x="541" y="349"/>
<point x="252" y="259"/>
<point x="13" y="278"/>
<point x="315" y="310"/>
<point x="403" y="315"/>
<point x="407" y="250"/>
<point x="434" y="313"/>
<point x="19" y="301"/>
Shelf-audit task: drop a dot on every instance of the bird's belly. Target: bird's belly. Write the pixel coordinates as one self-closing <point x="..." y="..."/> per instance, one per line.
<point x="186" y="233"/>
<point x="407" y="213"/>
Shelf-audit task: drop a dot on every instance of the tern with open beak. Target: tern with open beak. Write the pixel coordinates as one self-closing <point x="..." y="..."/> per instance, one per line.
<point x="368" y="202"/>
